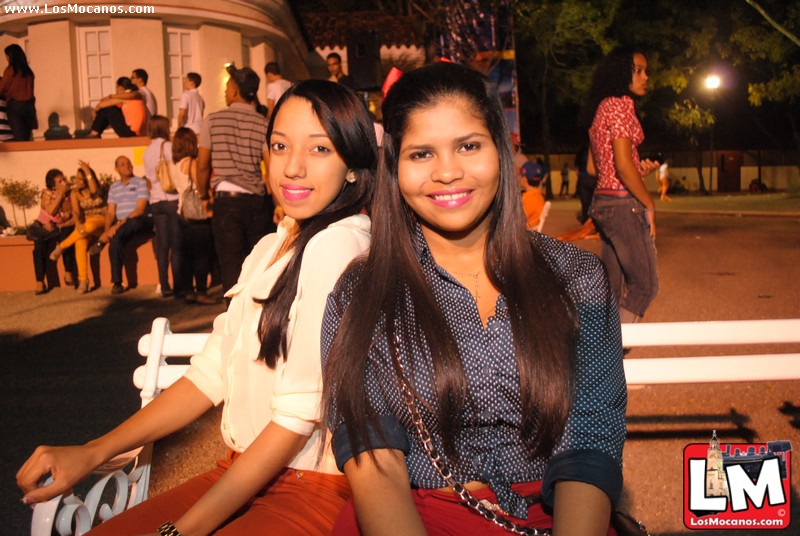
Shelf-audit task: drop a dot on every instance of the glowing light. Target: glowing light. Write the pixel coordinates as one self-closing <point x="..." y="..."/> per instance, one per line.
<point x="712" y="81"/>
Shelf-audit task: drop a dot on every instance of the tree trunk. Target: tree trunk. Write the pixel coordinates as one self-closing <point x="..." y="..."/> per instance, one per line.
<point x="698" y="153"/>
<point x="548" y="188"/>
<point x="792" y="183"/>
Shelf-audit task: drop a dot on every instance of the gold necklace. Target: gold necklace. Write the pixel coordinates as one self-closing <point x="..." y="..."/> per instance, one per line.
<point x="473" y="275"/>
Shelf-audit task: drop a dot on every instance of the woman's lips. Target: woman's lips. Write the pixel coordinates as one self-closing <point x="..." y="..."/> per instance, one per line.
<point x="295" y="193"/>
<point x="451" y="198"/>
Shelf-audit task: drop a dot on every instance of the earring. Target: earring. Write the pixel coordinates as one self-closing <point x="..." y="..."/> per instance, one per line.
<point x="350" y="177"/>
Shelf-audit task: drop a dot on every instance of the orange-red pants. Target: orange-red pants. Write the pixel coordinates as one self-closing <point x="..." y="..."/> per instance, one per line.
<point x="444" y="513"/>
<point x="295" y="502"/>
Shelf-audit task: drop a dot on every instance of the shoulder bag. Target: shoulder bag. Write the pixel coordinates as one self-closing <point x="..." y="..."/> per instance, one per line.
<point x="191" y="205"/>
<point x="623" y="524"/>
<point x="164" y="174"/>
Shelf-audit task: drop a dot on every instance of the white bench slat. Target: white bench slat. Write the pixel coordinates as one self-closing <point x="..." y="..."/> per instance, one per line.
<point x="167" y="375"/>
<point x="664" y="370"/>
<point x="723" y="332"/>
<point x="65" y="512"/>
<point x="176" y="344"/>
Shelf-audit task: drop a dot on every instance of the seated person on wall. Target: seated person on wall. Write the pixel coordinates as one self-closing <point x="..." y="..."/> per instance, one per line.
<point x="55" y="222"/>
<point x="126" y="216"/>
<point x="530" y="182"/>
<point x="89" y="208"/>
<point x="125" y="116"/>
<point x="55" y="131"/>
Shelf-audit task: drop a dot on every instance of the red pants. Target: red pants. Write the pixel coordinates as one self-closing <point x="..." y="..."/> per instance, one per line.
<point x="295" y="502"/>
<point x="444" y="513"/>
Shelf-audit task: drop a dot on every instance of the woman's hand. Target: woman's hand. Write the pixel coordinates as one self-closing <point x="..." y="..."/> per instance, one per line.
<point x="67" y="465"/>
<point x="648" y="166"/>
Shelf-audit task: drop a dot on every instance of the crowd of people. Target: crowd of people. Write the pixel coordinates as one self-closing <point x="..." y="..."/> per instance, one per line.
<point x="361" y="392"/>
<point x="229" y="142"/>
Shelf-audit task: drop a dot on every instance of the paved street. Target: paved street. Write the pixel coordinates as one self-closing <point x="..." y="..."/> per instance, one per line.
<point x="66" y="359"/>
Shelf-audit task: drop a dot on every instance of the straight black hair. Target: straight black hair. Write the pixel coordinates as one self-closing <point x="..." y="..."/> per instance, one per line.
<point x="391" y="286"/>
<point x="346" y="122"/>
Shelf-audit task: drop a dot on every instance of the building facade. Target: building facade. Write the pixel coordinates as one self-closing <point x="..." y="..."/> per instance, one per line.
<point x="77" y="54"/>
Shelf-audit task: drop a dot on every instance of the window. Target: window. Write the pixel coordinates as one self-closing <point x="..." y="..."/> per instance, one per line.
<point x="96" y="80"/>
<point x="180" y="44"/>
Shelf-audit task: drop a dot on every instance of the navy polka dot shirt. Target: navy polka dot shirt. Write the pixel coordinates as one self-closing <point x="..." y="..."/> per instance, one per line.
<point x="490" y="445"/>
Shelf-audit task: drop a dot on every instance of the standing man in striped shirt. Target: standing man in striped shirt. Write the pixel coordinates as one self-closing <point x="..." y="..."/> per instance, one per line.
<point x="233" y="143"/>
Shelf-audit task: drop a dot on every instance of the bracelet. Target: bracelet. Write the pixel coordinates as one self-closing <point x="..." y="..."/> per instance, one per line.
<point x="168" y="529"/>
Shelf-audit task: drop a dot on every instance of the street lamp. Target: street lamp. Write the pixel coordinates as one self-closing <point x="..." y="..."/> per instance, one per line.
<point x="712" y="83"/>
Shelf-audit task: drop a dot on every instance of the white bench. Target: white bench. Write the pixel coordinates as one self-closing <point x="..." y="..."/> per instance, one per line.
<point x="710" y="369"/>
<point x="70" y="515"/>
<point x="125" y="479"/>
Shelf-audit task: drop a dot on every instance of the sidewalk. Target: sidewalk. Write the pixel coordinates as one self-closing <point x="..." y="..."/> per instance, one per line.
<point x="740" y="204"/>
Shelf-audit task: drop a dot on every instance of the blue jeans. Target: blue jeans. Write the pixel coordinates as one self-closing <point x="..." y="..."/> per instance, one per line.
<point x="627" y="250"/>
<point x="116" y="245"/>
<point x="169" y="238"/>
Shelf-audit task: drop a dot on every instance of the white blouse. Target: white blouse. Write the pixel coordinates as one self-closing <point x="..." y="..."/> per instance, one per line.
<point x="227" y="370"/>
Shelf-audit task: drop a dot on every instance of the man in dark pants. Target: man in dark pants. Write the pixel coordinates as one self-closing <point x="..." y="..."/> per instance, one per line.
<point x="233" y="142"/>
<point x="126" y="216"/>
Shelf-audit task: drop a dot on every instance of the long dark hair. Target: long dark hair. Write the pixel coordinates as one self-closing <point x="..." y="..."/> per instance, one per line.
<point x="50" y="178"/>
<point x="392" y="281"/>
<point x="158" y="128"/>
<point x="125" y="83"/>
<point x="184" y="143"/>
<point x="18" y="61"/>
<point x="612" y="78"/>
<point x="346" y="122"/>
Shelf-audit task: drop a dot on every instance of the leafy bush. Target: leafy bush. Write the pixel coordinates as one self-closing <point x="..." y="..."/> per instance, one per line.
<point x="20" y="194"/>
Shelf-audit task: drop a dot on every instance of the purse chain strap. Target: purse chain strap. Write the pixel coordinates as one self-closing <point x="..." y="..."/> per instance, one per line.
<point x="487" y="509"/>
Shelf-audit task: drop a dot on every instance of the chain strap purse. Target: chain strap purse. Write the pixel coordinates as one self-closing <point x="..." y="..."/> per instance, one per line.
<point x="490" y="511"/>
<point x="623" y="524"/>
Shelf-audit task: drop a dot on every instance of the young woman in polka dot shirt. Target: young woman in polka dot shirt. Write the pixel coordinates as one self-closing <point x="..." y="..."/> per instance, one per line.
<point x="507" y="341"/>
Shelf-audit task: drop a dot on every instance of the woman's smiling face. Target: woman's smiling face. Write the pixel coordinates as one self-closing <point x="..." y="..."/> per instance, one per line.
<point x="449" y="168"/>
<point x="306" y="173"/>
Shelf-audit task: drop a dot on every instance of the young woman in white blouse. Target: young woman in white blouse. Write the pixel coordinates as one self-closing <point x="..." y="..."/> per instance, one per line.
<point x="263" y="357"/>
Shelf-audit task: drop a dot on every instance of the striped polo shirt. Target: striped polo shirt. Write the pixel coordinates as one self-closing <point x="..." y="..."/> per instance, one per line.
<point x="236" y="137"/>
<point x="126" y="195"/>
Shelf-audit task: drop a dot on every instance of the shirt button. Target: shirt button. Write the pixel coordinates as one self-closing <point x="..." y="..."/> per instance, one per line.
<point x="486" y="415"/>
<point x="476" y="460"/>
<point x="487" y="371"/>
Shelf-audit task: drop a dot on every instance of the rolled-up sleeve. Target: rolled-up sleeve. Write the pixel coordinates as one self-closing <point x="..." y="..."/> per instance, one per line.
<point x="591" y="447"/>
<point x="298" y="386"/>
<point x="205" y="371"/>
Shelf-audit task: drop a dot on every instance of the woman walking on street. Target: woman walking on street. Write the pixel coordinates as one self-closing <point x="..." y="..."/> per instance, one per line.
<point x="622" y="209"/>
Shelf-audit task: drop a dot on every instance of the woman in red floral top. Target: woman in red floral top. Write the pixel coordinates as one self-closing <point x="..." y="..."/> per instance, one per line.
<point x="622" y="209"/>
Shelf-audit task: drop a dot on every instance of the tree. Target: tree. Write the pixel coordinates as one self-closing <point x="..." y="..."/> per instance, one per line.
<point x="770" y="48"/>
<point x="20" y="194"/>
<point x="557" y="43"/>
<point x="690" y="120"/>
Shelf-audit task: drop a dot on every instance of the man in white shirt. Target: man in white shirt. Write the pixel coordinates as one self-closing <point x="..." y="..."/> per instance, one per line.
<point x="190" y="112"/>
<point x="139" y="78"/>
<point x="276" y="85"/>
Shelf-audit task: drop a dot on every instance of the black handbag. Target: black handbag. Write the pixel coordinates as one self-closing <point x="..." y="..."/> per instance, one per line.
<point x="625" y="525"/>
<point x="37" y="231"/>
